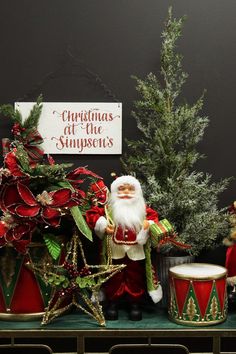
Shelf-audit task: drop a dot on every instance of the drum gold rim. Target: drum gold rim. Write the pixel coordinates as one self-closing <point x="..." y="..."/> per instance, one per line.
<point x="201" y="277"/>
<point x="21" y="316"/>
<point x="196" y="324"/>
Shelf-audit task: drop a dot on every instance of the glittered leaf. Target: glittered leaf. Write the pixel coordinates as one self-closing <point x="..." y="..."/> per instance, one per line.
<point x="81" y="223"/>
<point x="62" y="278"/>
<point x="84" y="282"/>
<point x="65" y="283"/>
<point x="53" y="247"/>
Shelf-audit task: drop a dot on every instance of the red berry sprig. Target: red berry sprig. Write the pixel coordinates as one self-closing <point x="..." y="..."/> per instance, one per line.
<point x="67" y="291"/>
<point x="71" y="269"/>
<point x="84" y="271"/>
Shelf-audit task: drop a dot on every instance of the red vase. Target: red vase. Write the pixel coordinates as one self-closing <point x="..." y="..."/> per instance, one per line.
<point x="23" y="295"/>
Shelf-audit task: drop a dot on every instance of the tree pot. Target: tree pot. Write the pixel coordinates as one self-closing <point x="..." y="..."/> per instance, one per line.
<point x="163" y="265"/>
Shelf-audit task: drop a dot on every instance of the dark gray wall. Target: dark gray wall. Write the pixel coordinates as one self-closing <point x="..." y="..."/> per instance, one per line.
<point x="86" y="50"/>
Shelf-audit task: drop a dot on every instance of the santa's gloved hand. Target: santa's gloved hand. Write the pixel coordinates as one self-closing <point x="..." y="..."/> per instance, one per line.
<point x="110" y="229"/>
<point x="144" y="232"/>
<point x="100" y="227"/>
<point x="142" y="237"/>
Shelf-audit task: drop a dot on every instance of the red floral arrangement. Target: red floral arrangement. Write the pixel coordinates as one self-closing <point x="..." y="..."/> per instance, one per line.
<point x="36" y="194"/>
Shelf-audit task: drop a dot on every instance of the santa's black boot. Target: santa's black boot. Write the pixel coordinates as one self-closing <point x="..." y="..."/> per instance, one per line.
<point x="135" y="312"/>
<point x="111" y="312"/>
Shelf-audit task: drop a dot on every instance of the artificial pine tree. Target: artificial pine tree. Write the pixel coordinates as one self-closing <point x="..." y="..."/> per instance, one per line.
<point x="164" y="157"/>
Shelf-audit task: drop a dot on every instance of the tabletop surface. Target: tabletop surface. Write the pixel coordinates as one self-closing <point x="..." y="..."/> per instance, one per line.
<point x="153" y="319"/>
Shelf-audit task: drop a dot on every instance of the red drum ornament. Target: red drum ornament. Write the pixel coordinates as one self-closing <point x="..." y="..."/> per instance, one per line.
<point x="198" y="294"/>
<point x="23" y="295"/>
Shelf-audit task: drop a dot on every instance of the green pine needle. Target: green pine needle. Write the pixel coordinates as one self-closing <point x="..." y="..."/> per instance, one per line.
<point x="8" y="111"/>
<point x="164" y="157"/>
<point x="32" y="120"/>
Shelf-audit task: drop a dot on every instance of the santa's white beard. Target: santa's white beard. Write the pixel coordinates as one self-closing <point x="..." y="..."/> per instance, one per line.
<point x="128" y="213"/>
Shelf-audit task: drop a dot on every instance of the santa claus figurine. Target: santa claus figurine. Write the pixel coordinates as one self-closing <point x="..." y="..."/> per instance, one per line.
<point x="125" y="221"/>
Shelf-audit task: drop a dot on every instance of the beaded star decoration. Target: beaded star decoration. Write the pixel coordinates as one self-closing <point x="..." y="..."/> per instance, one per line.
<point x="75" y="286"/>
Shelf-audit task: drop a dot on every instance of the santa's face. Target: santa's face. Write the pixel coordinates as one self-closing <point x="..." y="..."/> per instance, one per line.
<point x="128" y="206"/>
<point x="126" y="191"/>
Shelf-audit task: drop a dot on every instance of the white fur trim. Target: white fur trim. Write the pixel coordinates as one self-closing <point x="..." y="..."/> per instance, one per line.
<point x="134" y="252"/>
<point x="142" y="237"/>
<point x="100" y="227"/>
<point x="156" y="295"/>
<point x="231" y="280"/>
<point x="125" y="180"/>
<point x="100" y="298"/>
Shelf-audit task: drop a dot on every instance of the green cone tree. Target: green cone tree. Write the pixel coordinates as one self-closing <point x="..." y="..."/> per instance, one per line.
<point x="163" y="158"/>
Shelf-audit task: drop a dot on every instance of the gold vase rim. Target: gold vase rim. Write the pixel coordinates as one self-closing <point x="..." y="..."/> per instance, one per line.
<point x="5" y="316"/>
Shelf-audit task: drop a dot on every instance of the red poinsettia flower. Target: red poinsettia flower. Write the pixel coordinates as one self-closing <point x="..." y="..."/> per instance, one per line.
<point x="16" y="232"/>
<point x="76" y="178"/>
<point x="12" y="165"/>
<point x="47" y="207"/>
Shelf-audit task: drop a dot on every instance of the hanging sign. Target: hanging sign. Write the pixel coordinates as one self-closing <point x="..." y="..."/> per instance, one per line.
<point x="79" y="128"/>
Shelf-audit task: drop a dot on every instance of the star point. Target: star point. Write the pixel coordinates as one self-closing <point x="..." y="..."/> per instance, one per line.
<point x="75" y="286"/>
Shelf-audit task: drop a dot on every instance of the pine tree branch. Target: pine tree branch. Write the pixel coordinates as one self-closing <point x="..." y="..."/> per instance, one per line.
<point x="164" y="158"/>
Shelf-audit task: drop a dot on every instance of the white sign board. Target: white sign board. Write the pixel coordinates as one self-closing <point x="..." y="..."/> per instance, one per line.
<point x="79" y="128"/>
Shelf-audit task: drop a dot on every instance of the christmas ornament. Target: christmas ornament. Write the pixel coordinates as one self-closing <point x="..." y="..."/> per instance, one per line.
<point x="162" y="233"/>
<point x="198" y="294"/>
<point x="123" y="225"/>
<point x="74" y="285"/>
